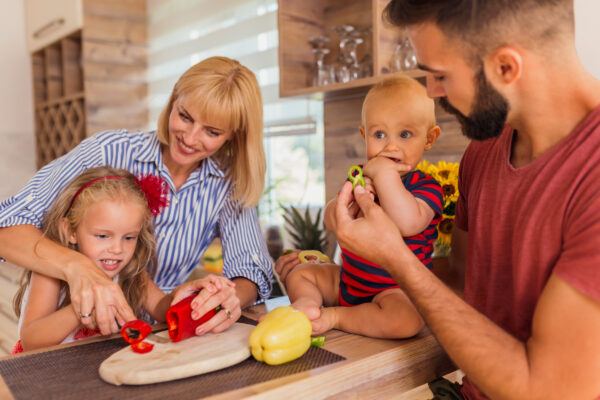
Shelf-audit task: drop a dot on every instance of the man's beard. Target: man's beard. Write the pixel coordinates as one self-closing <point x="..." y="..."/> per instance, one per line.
<point x="488" y="117"/>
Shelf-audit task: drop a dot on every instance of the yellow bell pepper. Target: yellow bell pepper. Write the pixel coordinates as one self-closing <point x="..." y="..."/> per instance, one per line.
<point x="313" y="257"/>
<point x="282" y="336"/>
<point x="213" y="258"/>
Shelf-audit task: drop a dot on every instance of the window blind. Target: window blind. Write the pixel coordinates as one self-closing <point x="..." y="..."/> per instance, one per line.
<point x="183" y="32"/>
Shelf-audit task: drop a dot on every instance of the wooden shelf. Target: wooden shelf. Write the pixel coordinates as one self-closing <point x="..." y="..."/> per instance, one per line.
<point x="299" y="21"/>
<point x="91" y="79"/>
<point x="58" y="98"/>
<point x="352" y="84"/>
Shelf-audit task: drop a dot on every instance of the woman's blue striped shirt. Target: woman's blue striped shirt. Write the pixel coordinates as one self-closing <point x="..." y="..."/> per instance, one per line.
<point x="199" y="211"/>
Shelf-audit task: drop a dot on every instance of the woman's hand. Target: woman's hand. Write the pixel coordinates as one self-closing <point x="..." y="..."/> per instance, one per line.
<point x="214" y="291"/>
<point x="96" y="299"/>
<point x="286" y="263"/>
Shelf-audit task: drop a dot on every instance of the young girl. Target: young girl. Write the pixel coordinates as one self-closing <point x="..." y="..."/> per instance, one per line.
<point x="105" y="214"/>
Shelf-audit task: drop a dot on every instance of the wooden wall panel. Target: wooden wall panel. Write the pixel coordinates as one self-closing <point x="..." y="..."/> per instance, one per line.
<point x="344" y="146"/>
<point x="114" y="63"/>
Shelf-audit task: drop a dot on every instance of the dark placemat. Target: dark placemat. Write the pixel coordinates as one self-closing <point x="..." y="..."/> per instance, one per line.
<point x="72" y="373"/>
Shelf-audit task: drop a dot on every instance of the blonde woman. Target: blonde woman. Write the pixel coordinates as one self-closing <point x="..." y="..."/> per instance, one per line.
<point x="208" y="148"/>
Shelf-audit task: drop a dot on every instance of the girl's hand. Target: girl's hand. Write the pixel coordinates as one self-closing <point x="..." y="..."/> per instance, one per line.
<point x="214" y="291"/>
<point x="286" y="263"/>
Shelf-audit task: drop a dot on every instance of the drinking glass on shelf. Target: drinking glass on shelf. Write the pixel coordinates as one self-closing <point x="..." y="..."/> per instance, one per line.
<point x="341" y="65"/>
<point x="354" y="68"/>
<point x="404" y="58"/>
<point x="366" y="62"/>
<point x="322" y="75"/>
<point x="323" y="72"/>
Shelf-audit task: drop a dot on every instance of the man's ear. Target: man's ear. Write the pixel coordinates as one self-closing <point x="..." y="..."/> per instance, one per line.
<point x="432" y="136"/>
<point x="66" y="231"/>
<point x="504" y="66"/>
<point x="362" y="131"/>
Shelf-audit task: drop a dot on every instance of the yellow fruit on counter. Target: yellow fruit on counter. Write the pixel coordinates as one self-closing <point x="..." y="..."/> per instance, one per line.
<point x="212" y="259"/>
<point x="282" y="336"/>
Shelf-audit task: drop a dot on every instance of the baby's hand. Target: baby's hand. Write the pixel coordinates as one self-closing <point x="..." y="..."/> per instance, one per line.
<point x="382" y="165"/>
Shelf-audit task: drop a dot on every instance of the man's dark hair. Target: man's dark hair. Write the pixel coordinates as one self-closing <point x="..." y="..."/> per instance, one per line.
<point x="484" y="25"/>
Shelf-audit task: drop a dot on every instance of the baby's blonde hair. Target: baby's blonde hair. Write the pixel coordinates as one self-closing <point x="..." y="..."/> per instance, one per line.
<point x="409" y="87"/>
<point x="131" y="279"/>
<point x="224" y="90"/>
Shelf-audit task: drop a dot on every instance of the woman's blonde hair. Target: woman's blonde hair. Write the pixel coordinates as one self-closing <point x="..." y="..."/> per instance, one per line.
<point x="131" y="279"/>
<point x="225" y="90"/>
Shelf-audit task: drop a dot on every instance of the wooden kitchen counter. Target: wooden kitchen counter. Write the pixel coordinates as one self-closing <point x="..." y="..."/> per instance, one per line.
<point x="373" y="369"/>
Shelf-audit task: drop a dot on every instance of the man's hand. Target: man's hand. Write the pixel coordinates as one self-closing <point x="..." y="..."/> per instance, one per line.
<point x="373" y="236"/>
<point x="97" y="300"/>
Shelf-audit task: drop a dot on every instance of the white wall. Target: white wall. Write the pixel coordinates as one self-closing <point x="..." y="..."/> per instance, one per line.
<point x="17" y="145"/>
<point x="587" y="32"/>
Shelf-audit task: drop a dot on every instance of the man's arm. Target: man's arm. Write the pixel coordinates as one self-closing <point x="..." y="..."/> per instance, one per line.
<point x="90" y="289"/>
<point x="558" y="361"/>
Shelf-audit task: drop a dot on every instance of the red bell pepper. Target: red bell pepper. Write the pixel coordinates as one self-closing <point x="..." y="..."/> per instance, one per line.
<point x="142" y="347"/>
<point x="135" y="331"/>
<point x="180" y="322"/>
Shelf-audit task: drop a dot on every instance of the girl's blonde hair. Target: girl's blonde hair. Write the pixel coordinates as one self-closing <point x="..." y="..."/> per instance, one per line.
<point x="131" y="278"/>
<point x="224" y="90"/>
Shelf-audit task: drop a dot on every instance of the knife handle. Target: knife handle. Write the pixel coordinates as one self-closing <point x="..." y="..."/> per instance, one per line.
<point x="180" y="322"/>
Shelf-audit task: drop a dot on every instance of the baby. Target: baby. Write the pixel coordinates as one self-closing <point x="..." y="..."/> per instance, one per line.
<point x="398" y="125"/>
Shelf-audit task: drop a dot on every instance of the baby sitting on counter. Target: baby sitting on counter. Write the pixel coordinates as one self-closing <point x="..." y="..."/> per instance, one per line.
<point x="398" y="125"/>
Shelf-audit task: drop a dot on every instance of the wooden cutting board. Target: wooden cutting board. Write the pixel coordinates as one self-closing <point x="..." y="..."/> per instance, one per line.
<point x="170" y="361"/>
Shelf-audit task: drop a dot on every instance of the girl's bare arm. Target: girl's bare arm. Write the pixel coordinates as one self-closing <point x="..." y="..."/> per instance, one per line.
<point x="43" y="324"/>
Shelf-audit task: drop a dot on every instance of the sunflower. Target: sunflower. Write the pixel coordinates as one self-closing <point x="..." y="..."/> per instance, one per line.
<point x="446" y="174"/>
<point x="444" y="229"/>
<point x="449" y="187"/>
<point x="447" y="170"/>
<point x="427" y="167"/>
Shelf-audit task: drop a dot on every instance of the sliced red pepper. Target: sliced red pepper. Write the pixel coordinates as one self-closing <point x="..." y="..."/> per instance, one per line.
<point x="135" y="331"/>
<point x="142" y="347"/>
<point x="180" y="322"/>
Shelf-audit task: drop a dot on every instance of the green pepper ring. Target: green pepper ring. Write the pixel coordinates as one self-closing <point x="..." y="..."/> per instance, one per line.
<point x="356" y="177"/>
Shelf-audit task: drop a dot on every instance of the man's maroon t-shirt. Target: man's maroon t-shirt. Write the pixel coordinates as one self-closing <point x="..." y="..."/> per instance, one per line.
<point x="527" y="223"/>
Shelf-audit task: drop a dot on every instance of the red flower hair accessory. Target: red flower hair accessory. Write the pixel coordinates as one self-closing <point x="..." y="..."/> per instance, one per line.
<point x="156" y="190"/>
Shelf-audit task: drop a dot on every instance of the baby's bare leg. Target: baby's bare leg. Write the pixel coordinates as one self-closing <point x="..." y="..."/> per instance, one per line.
<point x="390" y="315"/>
<point x="312" y="285"/>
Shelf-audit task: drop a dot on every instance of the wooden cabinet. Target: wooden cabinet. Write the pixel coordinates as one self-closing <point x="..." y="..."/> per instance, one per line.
<point x="48" y="21"/>
<point x="301" y="20"/>
<point x="88" y="79"/>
